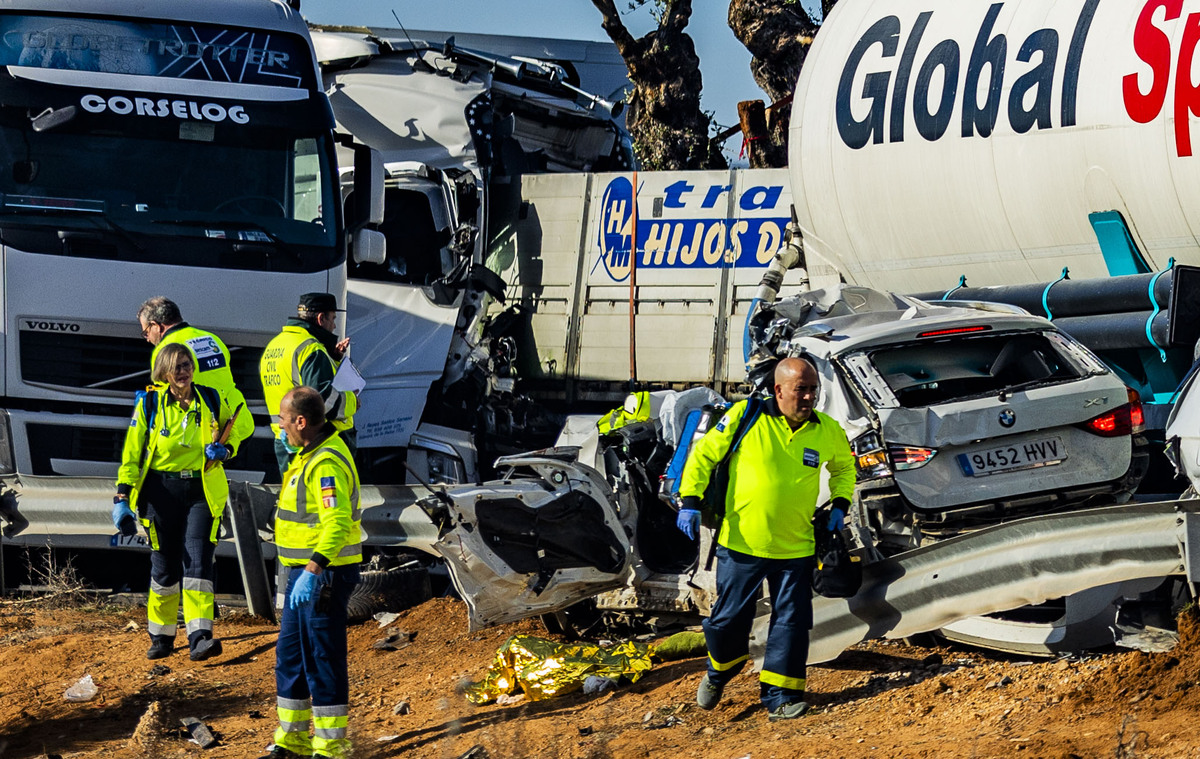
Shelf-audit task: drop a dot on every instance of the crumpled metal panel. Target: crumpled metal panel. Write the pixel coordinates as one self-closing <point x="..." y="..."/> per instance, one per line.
<point x="401" y="340"/>
<point x="494" y="592"/>
<point x="1025" y="562"/>
<point x="543" y="669"/>
<point x="407" y="115"/>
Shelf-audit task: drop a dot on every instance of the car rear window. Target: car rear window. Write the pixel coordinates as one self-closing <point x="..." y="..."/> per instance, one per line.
<point x="967" y="366"/>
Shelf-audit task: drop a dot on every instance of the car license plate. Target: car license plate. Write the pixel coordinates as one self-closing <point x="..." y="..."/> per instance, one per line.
<point x="1028" y="455"/>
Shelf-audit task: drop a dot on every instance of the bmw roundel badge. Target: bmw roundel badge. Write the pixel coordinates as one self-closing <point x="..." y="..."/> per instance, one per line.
<point x="1008" y="417"/>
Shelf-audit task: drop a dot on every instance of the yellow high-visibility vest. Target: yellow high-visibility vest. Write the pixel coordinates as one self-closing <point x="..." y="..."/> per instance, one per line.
<point x="319" y="507"/>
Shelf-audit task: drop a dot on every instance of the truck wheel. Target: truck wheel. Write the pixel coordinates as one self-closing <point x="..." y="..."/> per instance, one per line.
<point x="388" y="590"/>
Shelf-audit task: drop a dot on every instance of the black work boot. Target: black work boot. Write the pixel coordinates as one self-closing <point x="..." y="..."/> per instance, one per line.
<point x="160" y="647"/>
<point x="205" y="648"/>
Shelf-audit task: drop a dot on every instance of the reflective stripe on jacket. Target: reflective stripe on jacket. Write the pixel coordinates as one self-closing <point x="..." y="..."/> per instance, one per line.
<point x="318" y="509"/>
<point x="293" y="358"/>
<point x="144" y="446"/>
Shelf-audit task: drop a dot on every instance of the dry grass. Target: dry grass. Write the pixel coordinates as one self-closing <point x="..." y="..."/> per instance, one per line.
<point x="58" y="582"/>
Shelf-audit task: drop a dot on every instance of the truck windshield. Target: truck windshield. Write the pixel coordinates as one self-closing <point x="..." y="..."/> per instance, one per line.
<point x="117" y="133"/>
<point x="278" y="185"/>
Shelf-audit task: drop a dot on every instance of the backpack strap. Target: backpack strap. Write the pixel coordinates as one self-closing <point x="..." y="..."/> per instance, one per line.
<point x="149" y="398"/>
<point x="754" y="408"/>
<point x="211" y="398"/>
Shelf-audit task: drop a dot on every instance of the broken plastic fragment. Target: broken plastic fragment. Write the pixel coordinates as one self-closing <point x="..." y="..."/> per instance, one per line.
<point x="199" y="732"/>
<point x="84" y="690"/>
<point x="385" y="618"/>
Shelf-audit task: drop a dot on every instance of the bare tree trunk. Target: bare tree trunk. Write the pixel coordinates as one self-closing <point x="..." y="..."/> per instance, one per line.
<point x="778" y="33"/>
<point x="669" y="130"/>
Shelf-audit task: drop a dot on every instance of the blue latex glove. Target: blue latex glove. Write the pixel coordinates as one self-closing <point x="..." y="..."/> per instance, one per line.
<point x="123" y="518"/>
<point x="304" y="591"/>
<point x="837" y="520"/>
<point x="688" y="522"/>
<point x="217" y="452"/>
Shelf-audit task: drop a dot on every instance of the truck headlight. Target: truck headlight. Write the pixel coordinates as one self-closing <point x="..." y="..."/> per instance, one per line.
<point x="444" y="469"/>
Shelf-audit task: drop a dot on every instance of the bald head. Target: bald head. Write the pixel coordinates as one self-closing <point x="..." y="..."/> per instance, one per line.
<point x="302" y="415"/>
<point x="795" y="390"/>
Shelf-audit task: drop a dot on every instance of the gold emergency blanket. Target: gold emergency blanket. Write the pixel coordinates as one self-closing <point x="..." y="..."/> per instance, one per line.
<point x="543" y="669"/>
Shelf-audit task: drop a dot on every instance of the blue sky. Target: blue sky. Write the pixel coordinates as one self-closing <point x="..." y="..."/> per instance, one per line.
<point x="724" y="63"/>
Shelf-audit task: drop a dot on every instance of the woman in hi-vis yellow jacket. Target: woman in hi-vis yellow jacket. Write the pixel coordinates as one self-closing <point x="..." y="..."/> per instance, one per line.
<point x="172" y="474"/>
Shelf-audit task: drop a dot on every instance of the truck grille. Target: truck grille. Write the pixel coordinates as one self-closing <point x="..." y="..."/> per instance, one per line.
<point x="119" y="364"/>
<point x="48" y="442"/>
<point x="52" y="441"/>
<point x="84" y="361"/>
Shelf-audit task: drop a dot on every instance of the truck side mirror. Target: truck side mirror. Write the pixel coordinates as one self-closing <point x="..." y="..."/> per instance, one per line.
<point x="368" y="185"/>
<point x="369" y="246"/>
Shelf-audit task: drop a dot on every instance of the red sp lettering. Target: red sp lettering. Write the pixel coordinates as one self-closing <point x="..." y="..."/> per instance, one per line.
<point x="1153" y="46"/>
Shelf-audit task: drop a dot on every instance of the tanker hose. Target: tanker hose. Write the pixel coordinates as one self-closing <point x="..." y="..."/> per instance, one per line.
<point x="789" y="256"/>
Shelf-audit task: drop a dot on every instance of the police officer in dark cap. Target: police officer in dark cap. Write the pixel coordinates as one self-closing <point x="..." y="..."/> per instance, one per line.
<point x="308" y="352"/>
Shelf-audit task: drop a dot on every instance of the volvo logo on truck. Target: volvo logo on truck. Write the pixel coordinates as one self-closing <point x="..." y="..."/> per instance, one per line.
<point x="37" y="325"/>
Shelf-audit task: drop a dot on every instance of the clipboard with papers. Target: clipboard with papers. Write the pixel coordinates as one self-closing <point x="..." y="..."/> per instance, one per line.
<point x="347" y="379"/>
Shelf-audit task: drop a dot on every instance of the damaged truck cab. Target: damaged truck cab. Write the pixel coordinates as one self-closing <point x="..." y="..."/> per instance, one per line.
<point x="456" y="129"/>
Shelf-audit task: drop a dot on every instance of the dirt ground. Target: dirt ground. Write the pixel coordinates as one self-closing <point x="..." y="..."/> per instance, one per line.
<point x="881" y="699"/>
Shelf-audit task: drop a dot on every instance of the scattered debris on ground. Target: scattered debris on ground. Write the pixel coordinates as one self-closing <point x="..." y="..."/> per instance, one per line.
<point x="880" y="699"/>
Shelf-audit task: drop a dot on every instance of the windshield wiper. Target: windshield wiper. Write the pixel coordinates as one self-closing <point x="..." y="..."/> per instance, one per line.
<point x="108" y="224"/>
<point x="101" y="223"/>
<point x="1008" y="390"/>
<point x="52" y="118"/>
<point x="238" y="245"/>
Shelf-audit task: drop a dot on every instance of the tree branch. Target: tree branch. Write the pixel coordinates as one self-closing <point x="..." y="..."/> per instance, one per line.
<point x="676" y="16"/>
<point x="615" y="28"/>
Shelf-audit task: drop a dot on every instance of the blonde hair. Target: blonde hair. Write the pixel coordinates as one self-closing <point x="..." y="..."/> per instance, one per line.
<point x="164" y="362"/>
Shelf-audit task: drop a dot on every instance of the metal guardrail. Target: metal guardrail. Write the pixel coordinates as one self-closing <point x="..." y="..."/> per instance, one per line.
<point x="75" y="512"/>
<point x="1006" y="567"/>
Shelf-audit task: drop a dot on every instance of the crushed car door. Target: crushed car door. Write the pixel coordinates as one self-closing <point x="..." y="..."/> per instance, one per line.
<point x="545" y="537"/>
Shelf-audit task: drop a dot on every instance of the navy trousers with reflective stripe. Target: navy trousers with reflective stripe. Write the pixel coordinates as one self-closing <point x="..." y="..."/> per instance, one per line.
<point x="183" y="523"/>
<point x="310" y="657"/>
<point x="727" y="630"/>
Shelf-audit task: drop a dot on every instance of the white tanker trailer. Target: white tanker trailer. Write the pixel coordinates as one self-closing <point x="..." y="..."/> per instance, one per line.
<point x="966" y="146"/>
<point x="1002" y="141"/>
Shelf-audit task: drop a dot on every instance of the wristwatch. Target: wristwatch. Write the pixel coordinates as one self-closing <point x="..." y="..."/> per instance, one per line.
<point x="118" y="498"/>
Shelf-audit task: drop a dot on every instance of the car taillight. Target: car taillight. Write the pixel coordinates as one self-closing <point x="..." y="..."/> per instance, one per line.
<point x="1123" y="420"/>
<point x="869" y="457"/>
<point x="1137" y="417"/>
<point x="955" y="331"/>
<point x="910" y="457"/>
